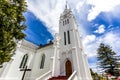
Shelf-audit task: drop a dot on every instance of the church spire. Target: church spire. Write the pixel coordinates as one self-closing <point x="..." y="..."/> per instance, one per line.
<point x="66" y="7"/>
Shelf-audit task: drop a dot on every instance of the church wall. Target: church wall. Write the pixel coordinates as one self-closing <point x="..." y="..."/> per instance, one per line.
<point x="12" y="70"/>
<point x="36" y="71"/>
<point x="3" y="68"/>
<point x="64" y="57"/>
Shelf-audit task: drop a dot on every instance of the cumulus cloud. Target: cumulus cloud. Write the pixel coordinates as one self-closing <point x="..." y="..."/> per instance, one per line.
<point x="101" y="29"/>
<point x="91" y="43"/>
<point x="79" y="5"/>
<point x="99" y="6"/>
<point x="112" y="39"/>
<point x="47" y="11"/>
<point x="89" y="39"/>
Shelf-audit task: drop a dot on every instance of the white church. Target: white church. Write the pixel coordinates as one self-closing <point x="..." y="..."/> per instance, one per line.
<point x="61" y="59"/>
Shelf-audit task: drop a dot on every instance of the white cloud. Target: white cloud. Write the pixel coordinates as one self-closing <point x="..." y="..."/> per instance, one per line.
<point x="79" y="5"/>
<point x="110" y="38"/>
<point x="101" y="6"/>
<point x="47" y="11"/>
<point x="101" y="29"/>
<point x="94" y="67"/>
<point x="89" y="39"/>
<point x="89" y="43"/>
<point x="113" y="40"/>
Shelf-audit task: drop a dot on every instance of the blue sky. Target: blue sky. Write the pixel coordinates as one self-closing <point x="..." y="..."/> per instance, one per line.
<point x="98" y="21"/>
<point x="36" y="31"/>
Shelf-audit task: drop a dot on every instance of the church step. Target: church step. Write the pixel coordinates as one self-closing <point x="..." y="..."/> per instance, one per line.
<point x="59" y="78"/>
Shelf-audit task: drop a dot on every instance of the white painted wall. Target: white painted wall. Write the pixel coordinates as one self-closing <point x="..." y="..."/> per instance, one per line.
<point x="36" y="71"/>
<point x="12" y="71"/>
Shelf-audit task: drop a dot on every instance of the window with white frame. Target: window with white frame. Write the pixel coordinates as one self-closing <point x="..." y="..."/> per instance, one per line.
<point x="24" y="61"/>
<point x="42" y="61"/>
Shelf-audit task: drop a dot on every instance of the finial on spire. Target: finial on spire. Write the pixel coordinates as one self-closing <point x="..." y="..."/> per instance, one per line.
<point x="66" y="5"/>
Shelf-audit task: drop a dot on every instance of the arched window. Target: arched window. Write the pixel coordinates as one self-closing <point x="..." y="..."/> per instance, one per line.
<point x="24" y="61"/>
<point x="68" y="21"/>
<point x="64" y="38"/>
<point x="68" y="37"/>
<point x="65" y="22"/>
<point x="42" y="61"/>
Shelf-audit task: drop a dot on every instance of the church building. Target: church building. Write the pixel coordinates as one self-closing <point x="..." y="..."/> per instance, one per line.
<point x="60" y="59"/>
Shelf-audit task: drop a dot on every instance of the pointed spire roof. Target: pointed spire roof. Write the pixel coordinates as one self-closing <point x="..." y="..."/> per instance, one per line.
<point x="66" y="6"/>
<point x="67" y="9"/>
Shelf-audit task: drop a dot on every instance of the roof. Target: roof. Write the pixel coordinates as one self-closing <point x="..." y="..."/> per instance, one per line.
<point x="42" y="46"/>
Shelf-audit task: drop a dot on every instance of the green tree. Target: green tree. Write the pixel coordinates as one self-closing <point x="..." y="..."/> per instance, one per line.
<point x="95" y="76"/>
<point x="107" y="58"/>
<point x="12" y="22"/>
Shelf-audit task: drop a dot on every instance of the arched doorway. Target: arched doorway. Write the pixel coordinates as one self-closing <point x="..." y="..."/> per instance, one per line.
<point x="68" y="67"/>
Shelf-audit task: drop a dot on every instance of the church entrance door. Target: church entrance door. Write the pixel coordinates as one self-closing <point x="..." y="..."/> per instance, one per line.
<point x="68" y="67"/>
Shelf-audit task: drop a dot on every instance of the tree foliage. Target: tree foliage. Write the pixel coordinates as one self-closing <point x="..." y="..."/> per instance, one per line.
<point x="94" y="75"/>
<point x="107" y="58"/>
<point x="12" y="22"/>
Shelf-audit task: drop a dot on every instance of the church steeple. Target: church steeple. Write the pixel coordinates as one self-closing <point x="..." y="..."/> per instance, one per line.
<point x="66" y="13"/>
<point x="70" y="46"/>
<point x="66" y="7"/>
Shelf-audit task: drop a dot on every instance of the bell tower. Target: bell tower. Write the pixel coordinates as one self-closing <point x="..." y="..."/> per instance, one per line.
<point x="68" y="30"/>
<point x="72" y="57"/>
<point x="69" y="57"/>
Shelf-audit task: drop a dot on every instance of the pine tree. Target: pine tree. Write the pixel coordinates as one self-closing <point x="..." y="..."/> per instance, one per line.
<point x="12" y="22"/>
<point x="107" y="58"/>
<point x="95" y="76"/>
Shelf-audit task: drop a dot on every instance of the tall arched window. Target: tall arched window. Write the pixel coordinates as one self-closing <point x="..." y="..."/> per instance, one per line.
<point x="24" y="61"/>
<point x="68" y="21"/>
<point x="42" y="61"/>
<point x="64" y="38"/>
<point x="68" y="37"/>
<point x="65" y="22"/>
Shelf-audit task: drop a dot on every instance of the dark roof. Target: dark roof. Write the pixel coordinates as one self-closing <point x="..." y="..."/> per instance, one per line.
<point x="45" y="45"/>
